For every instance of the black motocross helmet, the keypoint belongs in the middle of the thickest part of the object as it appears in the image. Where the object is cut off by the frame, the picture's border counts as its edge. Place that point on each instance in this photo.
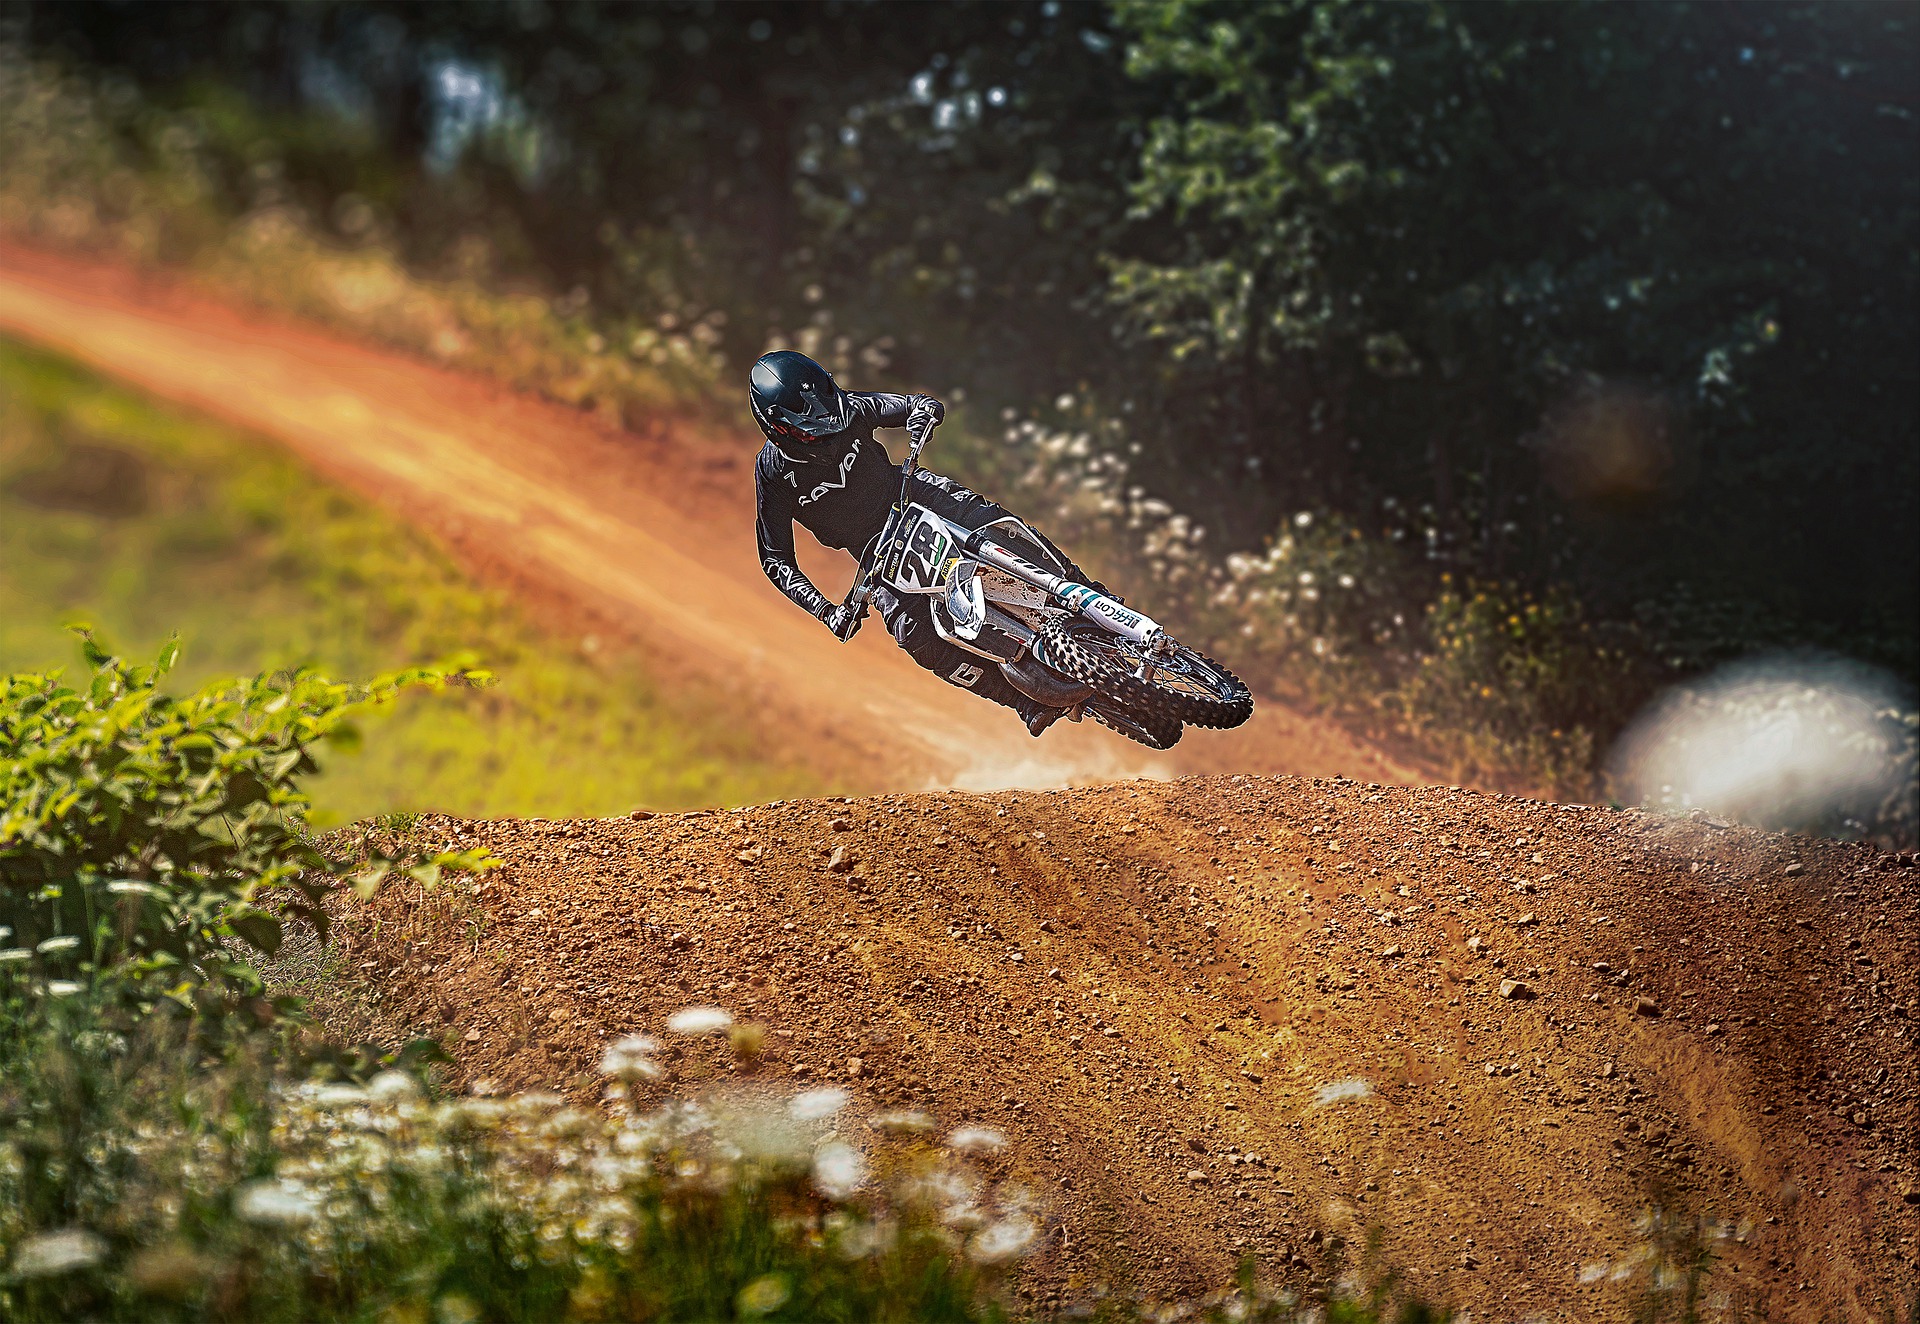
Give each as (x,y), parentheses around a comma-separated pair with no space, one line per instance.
(795,399)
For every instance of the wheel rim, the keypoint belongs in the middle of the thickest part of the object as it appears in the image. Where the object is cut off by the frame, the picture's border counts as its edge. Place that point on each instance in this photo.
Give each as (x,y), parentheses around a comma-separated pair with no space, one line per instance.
(1179,671)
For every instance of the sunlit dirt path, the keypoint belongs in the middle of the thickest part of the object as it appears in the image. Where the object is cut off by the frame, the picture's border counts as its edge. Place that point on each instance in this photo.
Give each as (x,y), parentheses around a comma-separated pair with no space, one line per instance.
(653,534)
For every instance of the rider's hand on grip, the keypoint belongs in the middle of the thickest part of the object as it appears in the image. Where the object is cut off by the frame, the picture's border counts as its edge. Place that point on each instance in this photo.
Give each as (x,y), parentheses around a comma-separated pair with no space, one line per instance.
(927,414)
(843,622)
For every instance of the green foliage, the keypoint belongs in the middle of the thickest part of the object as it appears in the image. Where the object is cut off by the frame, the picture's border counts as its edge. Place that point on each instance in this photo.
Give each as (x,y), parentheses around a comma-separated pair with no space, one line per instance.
(146,521)
(1436,223)
(141,834)
(1511,688)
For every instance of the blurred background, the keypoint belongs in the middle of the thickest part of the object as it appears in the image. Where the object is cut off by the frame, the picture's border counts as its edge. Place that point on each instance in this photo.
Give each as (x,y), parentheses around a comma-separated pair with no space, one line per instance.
(1491,377)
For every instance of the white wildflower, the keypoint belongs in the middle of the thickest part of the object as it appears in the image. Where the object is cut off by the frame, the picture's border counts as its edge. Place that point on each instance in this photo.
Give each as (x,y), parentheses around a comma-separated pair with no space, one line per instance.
(339,1096)
(62,988)
(479,1112)
(838,1169)
(857,1238)
(970,1138)
(15,956)
(393,1087)
(1002,1241)
(132,887)
(55,946)
(631,1059)
(816,1104)
(763,1295)
(699,1020)
(1342,1091)
(281,1202)
(904,1122)
(59,1252)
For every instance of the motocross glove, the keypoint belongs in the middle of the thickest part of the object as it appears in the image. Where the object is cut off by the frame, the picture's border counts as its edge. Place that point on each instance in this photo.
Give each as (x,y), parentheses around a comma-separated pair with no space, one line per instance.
(844,623)
(926,414)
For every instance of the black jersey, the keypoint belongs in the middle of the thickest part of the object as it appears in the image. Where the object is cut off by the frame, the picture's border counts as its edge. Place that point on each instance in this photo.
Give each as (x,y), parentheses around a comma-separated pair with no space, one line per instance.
(839,489)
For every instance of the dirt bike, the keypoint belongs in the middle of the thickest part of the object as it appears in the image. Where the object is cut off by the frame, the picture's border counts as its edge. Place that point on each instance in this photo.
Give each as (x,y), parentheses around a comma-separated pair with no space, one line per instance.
(999,592)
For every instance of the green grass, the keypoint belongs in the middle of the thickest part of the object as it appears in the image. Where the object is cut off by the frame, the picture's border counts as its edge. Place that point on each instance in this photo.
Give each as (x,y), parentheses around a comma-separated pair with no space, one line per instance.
(143,520)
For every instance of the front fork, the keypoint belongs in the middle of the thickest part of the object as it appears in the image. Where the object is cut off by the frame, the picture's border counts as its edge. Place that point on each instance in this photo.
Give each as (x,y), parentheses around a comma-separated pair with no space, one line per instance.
(1098,607)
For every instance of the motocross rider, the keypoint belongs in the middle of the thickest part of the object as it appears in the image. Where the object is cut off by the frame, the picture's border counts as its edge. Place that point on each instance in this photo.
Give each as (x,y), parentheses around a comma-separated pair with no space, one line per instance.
(822,467)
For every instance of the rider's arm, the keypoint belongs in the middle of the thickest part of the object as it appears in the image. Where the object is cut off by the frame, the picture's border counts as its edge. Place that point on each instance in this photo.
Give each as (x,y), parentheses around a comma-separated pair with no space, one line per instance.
(773,529)
(898,411)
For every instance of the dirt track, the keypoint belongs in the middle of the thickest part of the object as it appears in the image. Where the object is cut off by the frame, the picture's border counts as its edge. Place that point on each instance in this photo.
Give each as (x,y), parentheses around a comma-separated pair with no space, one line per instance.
(1147,985)
(653,535)
(1214,1016)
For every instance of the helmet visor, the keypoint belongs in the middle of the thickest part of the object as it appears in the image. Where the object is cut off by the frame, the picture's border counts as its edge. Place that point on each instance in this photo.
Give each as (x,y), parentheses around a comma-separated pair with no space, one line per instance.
(827,412)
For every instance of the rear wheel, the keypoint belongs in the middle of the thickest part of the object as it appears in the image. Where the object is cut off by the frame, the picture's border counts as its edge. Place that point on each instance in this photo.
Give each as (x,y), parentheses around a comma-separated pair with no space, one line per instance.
(1168,684)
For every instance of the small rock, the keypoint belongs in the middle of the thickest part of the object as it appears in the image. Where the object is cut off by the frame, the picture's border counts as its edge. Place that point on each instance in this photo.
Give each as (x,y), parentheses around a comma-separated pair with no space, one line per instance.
(473,1036)
(641,815)
(1110,1031)
(839,861)
(1606,1071)
(1196,1177)
(1197,1146)
(855,1067)
(841,825)
(1794,870)
(1391,953)
(1255,1077)
(750,855)
(1713,1028)
(1055,974)
(1476,944)
(1602,968)
(1514,990)
(1645,1006)
(1526,919)
(1016,957)
(918,986)
(1046,926)
(1467,1260)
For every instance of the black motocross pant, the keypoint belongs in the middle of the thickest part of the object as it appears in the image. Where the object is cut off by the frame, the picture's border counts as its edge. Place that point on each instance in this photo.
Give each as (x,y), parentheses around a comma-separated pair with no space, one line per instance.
(909,617)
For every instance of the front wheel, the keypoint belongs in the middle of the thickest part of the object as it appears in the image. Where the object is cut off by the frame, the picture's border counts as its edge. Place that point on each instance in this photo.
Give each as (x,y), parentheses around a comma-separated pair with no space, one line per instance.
(1171,683)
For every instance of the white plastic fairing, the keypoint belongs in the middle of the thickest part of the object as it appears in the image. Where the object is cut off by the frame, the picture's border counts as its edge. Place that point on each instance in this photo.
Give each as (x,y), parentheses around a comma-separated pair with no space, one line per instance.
(966,601)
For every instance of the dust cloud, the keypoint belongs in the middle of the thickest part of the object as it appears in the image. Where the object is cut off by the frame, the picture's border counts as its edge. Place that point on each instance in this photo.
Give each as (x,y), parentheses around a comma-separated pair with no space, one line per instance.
(1788,741)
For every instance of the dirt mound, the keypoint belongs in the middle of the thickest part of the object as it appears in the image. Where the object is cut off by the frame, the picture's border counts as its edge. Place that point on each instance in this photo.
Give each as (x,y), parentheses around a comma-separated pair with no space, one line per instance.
(1222,1016)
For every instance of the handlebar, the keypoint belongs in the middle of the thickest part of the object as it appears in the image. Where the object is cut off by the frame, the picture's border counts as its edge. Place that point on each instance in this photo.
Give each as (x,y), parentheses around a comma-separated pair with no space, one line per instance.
(854,608)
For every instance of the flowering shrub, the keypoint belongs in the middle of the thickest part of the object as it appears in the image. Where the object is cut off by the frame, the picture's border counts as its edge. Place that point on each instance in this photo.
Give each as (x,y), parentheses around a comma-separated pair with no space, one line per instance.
(1323,601)
(139,832)
(1517,689)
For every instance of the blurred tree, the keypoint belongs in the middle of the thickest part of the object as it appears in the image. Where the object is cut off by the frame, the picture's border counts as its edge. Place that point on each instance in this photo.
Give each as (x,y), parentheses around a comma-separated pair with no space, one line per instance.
(1388,239)
(1624,294)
